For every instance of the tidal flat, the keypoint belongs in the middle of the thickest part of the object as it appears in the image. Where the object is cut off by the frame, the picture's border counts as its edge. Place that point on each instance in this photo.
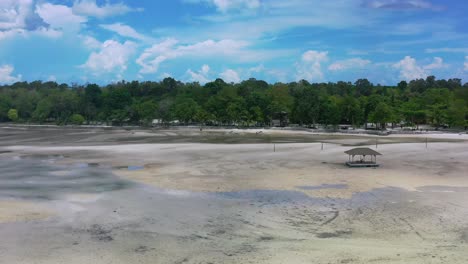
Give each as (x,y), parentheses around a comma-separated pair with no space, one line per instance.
(229,196)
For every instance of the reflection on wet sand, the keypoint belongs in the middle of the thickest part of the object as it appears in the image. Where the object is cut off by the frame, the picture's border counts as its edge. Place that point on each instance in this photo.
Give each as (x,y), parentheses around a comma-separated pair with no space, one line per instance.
(131,222)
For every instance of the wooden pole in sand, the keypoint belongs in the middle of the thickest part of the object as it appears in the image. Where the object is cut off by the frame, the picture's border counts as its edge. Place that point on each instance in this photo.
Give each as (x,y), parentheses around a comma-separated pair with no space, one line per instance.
(426,142)
(322,145)
(274,147)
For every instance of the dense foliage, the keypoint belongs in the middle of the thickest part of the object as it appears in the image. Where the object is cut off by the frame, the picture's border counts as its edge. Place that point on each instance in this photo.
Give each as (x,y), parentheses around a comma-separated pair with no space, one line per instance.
(251,102)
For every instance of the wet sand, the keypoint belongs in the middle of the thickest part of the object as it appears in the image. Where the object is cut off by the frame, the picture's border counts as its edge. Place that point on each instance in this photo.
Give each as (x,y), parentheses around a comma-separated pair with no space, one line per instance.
(123,197)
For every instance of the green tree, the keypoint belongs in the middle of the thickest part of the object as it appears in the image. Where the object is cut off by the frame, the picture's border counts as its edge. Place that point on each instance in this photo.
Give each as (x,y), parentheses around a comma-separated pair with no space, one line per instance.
(165,110)
(92,101)
(185,109)
(146,111)
(25,101)
(280,100)
(402,86)
(413,113)
(256,114)
(203,116)
(5,104)
(43,110)
(77,119)
(13,115)
(381,115)
(350,110)
(457,113)
(331,112)
(363,87)
(306,106)
(237,113)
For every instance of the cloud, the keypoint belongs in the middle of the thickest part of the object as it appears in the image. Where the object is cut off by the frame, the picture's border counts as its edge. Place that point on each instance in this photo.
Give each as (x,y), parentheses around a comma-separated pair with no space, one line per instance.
(410,70)
(466,64)
(124,30)
(170,49)
(11,33)
(256,69)
(18,14)
(348,64)
(400,4)
(6,76)
(437,64)
(200,76)
(90,8)
(227,5)
(60,17)
(230,76)
(447,50)
(152,57)
(17,18)
(111,58)
(262,24)
(310,66)
(90,42)
(52,78)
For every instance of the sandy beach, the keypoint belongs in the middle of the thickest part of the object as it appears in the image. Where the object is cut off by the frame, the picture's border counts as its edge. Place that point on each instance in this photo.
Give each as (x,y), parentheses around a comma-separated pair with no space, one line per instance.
(230,196)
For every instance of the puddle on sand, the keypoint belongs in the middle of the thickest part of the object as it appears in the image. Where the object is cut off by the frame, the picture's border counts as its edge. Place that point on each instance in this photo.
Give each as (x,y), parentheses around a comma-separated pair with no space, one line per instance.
(36,179)
(322,187)
(374,198)
(135,168)
(269,197)
(86,165)
(130,167)
(442,189)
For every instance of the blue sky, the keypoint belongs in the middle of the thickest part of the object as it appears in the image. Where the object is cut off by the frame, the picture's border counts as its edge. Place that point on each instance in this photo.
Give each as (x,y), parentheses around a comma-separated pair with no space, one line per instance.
(79,41)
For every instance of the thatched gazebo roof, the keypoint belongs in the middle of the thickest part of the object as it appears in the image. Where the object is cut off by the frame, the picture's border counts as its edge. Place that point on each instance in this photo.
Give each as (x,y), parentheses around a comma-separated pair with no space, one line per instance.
(362,152)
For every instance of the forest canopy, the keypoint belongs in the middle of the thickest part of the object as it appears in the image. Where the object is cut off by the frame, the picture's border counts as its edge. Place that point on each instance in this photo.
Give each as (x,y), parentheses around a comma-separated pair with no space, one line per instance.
(249,103)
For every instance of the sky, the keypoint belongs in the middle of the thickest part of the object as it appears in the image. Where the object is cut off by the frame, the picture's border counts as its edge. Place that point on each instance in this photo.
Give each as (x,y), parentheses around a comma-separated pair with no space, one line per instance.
(105,41)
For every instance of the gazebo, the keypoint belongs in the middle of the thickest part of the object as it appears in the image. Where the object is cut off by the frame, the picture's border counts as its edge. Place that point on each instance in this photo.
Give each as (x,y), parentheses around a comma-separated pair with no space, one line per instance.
(361,161)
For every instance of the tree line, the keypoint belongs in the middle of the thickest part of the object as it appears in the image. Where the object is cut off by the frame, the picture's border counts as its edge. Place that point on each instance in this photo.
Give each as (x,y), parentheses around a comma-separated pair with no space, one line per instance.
(249,103)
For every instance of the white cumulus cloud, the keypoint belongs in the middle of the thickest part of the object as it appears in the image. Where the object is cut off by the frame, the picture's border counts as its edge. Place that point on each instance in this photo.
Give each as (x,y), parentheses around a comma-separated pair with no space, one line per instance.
(230,76)
(200,76)
(348,64)
(6,74)
(400,4)
(169,49)
(17,18)
(60,17)
(227,5)
(90,42)
(90,8)
(437,64)
(124,30)
(310,66)
(410,69)
(13,13)
(466,64)
(112,57)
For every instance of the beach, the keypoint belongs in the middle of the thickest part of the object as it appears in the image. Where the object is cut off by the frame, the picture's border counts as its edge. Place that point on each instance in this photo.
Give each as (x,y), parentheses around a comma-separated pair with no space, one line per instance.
(230,196)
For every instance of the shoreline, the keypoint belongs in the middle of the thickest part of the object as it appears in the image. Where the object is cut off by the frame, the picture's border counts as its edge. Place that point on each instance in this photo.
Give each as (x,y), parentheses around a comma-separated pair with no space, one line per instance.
(357,131)
(84,136)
